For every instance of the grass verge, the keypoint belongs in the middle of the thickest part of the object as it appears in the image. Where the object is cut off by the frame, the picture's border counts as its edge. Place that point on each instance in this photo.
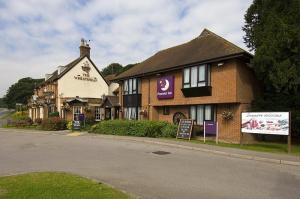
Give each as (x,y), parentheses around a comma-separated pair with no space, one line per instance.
(261,147)
(55,185)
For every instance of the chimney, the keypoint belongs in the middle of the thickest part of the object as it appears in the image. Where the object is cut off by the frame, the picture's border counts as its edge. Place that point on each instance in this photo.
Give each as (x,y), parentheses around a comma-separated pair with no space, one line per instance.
(84,48)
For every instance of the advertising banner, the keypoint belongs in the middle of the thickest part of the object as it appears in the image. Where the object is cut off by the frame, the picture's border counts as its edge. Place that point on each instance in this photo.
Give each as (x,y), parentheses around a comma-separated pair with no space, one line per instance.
(276,123)
(165,87)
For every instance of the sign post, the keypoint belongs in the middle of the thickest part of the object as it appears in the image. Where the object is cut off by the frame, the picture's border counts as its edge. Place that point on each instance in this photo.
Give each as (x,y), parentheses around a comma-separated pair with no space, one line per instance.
(185,128)
(290,135)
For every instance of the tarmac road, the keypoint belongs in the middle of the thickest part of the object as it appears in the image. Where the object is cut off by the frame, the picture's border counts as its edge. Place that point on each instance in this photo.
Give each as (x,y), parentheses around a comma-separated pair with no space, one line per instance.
(133,167)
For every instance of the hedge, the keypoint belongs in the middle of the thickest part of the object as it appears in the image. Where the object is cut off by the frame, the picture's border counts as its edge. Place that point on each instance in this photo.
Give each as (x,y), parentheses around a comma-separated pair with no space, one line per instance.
(140,128)
(54,124)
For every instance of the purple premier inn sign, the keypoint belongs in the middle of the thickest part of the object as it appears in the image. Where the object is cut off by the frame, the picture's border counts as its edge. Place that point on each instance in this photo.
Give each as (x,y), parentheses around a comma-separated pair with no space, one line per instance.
(165,87)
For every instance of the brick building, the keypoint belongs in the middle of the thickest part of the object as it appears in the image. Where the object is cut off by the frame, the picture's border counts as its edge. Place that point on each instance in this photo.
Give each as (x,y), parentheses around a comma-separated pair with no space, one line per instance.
(207,78)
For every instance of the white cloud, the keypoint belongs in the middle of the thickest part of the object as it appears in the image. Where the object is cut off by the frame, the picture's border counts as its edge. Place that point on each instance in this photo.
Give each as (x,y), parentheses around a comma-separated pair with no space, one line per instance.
(38,35)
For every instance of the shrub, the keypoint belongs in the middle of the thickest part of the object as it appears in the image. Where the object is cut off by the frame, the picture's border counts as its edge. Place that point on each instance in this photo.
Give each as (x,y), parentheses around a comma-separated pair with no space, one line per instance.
(20,115)
(54,114)
(90,120)
(54,124)
(70,125)
(169,131)
(38,121)
(22,122)
(141,128)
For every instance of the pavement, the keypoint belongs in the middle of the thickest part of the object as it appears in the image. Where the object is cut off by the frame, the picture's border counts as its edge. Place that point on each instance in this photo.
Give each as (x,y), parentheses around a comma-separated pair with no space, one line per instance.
(150,168)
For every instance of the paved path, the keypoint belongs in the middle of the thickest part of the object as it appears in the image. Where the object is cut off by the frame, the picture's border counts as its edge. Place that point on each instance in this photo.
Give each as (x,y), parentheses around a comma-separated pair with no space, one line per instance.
(131,166)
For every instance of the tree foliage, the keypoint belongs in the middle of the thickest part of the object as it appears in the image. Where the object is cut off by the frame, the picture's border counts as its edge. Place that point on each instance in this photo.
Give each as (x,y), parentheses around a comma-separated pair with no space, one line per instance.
(2,103)
(21,91)
(273,31)
(112,68)
(115,68)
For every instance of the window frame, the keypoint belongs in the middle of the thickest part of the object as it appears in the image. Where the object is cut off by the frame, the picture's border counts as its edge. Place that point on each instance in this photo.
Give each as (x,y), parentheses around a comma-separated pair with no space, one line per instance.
(212,112)
(80,112)
(132,86)
(97,113)
(206,81)
(166,110)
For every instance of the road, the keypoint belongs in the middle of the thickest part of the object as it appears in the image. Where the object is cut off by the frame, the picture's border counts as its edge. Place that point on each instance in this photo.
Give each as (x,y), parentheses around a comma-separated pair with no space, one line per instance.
(133,167)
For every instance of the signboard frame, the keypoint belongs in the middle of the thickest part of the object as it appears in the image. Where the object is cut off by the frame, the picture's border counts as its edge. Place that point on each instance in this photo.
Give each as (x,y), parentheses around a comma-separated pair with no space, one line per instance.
(289,137)
(191,129)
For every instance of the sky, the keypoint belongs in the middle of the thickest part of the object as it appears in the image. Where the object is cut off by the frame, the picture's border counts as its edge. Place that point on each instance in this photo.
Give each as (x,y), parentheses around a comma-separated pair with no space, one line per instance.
(36,36)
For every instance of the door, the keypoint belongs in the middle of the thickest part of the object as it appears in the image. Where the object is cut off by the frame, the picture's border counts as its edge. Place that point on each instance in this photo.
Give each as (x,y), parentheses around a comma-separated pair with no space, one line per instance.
(107,113)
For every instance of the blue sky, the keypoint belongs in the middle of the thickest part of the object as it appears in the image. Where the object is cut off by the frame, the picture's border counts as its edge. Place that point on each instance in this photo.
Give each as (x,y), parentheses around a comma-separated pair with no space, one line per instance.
(39,35)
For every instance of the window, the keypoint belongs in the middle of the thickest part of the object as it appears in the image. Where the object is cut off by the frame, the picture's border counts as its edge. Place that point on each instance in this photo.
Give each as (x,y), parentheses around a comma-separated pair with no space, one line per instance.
(166,110)
(196,76)
(97,113)
(125,87)
(131,113)
(76,111)
(199,113)
(132,86)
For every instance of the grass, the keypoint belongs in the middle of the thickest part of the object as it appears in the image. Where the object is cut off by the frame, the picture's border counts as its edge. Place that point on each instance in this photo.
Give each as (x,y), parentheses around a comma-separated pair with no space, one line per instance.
(54,185)
(261,147)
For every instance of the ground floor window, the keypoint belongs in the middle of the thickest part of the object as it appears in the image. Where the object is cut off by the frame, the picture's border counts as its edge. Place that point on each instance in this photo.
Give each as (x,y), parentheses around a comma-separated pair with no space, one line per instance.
(199,113)
(76,111)
(132,113)
(166,110)
(97,113)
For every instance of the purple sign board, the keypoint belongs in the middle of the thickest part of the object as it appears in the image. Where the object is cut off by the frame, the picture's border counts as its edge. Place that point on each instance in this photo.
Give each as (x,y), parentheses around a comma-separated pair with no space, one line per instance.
(165,87)
(210,127)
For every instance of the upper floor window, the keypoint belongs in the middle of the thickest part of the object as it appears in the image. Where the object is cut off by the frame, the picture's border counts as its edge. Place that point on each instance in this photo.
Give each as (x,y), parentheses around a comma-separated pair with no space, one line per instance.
(196,76)
(132,86)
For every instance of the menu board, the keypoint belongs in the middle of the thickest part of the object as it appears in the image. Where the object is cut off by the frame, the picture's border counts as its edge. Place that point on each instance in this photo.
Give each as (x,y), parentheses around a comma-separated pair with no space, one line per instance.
(76,125)
(185,128)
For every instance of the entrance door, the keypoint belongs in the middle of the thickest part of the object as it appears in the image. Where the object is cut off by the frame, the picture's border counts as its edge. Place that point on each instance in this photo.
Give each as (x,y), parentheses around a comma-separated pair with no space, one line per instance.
(107,113)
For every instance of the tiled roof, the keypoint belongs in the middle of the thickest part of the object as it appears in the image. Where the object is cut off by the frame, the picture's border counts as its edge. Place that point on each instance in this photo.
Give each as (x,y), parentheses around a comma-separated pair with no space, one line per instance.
(207,46)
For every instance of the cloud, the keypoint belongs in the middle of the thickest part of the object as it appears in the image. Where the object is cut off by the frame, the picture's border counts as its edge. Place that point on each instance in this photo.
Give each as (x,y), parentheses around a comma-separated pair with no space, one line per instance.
(38,35)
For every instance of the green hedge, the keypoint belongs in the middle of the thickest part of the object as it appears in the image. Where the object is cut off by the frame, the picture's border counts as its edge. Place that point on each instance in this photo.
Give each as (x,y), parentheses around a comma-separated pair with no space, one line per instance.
(141,128)
(54,124)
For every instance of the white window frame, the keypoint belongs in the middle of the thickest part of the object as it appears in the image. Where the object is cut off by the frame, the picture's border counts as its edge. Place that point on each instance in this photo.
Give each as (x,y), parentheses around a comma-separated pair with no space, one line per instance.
(97,113)
(76,113)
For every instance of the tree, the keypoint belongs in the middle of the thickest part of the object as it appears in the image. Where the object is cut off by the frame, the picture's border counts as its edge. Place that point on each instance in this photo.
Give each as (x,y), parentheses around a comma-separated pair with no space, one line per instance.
(21,91)
(273,31)
(2,103)
(112,68)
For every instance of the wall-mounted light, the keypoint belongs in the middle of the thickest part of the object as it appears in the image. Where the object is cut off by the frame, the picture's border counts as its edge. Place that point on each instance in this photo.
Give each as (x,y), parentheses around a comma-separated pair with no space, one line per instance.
(220,64)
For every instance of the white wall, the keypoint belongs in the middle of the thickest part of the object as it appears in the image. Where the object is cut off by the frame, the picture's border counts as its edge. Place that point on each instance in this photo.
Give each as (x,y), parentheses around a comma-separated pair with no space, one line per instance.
(69,87)
(112,87)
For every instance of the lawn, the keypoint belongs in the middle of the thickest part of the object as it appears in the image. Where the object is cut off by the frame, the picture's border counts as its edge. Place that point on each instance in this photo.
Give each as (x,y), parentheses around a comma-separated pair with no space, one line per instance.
(54,185)
(262,146)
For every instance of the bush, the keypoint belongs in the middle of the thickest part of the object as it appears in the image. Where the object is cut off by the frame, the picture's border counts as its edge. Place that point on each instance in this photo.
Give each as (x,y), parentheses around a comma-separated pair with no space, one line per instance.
(54,124)
(69,125)
(54,114)
(22,122)
(141,128)
(20,115)
(38,121)
(90,120)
